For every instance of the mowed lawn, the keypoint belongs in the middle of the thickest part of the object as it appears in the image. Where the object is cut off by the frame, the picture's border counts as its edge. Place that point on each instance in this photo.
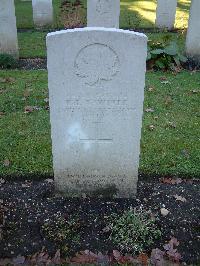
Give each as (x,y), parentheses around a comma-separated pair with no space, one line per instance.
(33,44)
(24,14)
(170,136)
(134,13)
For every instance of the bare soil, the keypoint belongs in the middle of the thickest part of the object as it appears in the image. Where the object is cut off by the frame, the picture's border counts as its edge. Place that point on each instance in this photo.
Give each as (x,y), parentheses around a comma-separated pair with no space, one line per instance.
(32,216)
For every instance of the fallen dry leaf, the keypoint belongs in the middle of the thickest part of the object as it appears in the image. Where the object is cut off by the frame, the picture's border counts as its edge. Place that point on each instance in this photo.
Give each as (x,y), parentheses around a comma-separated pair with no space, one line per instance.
(2,80)
(149,110)
(10,80)
(143,259)
(26,185)
(6,163)
(18,260)
(171,251)
(157,257)
(2,114)
(171,181)
(163,78)
(165,82)
(49,180)
(164,212)
(151,127)
(180,198)
(46,100)
(168,100)
(84,257)
(6,261)
(171,124)
(57,258)
(195,91)
(30,109)
(106,229)
(26,93)
(150,89)
(174,241)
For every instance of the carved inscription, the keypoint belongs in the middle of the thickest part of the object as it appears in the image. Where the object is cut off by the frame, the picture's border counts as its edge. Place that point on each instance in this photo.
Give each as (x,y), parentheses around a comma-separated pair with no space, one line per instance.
(96,62)
(95,126)
(103,7)
(98,103)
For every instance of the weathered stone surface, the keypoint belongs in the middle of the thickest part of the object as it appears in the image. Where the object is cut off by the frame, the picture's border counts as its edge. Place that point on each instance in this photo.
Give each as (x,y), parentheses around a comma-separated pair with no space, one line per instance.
(193,33)
(42,12)
(96,87)
(166,13)
(8,29)
(103,13)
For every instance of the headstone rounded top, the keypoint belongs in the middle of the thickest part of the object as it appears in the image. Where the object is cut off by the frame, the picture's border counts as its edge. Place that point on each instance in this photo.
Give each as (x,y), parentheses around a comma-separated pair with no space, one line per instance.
(99,29)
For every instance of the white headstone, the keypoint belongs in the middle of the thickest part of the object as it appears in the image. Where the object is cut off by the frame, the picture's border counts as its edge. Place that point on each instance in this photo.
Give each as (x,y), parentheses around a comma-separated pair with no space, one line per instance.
(103,13)
(166,13)
(193,33)
(96,82)
(42,12)
(8,29)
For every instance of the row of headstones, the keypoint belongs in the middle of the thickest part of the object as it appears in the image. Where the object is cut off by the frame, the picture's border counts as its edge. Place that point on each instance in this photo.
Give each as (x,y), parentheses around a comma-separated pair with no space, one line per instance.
(100,12)
(42,15)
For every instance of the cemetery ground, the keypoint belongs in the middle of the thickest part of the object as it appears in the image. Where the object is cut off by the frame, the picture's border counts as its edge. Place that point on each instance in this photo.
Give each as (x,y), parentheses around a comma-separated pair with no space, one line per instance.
(169,147)
(32,216)
(134,14)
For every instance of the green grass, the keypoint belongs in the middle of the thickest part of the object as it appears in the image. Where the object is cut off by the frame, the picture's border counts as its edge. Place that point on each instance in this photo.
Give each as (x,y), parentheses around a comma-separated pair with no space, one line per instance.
(24,14)
(171,148)
(33,44)
(142,14)
(25,138)
(134,13)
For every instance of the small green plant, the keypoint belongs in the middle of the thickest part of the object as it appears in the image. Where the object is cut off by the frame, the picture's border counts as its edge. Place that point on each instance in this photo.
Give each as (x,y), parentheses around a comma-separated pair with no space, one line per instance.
(133,231)
(63,231)
(7,61)
(163,55)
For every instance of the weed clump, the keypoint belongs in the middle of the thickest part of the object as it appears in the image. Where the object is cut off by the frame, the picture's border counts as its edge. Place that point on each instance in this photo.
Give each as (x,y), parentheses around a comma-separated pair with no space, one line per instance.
(134,231)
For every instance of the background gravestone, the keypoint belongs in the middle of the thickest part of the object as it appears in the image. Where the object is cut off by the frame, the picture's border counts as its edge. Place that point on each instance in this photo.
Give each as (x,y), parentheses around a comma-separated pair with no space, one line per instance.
(8,29)
(103,13)
(96,83)
(193,33)
(166,13)
(42,12)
